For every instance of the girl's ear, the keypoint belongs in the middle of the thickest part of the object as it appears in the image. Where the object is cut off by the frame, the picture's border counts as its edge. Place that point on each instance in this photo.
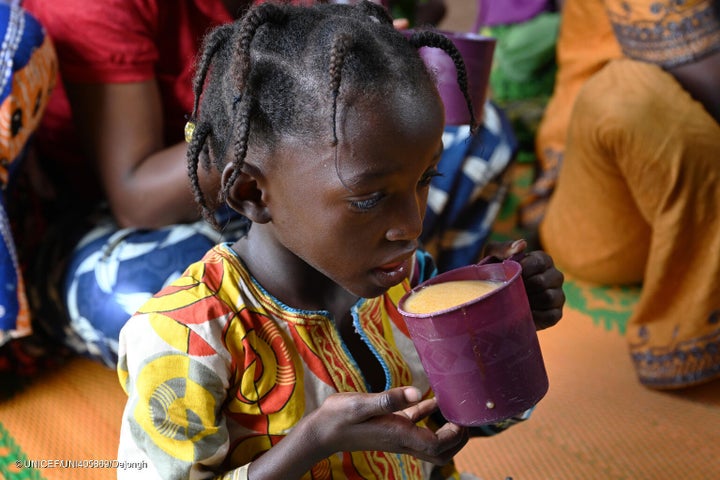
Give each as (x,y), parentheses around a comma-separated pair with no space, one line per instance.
(245,196)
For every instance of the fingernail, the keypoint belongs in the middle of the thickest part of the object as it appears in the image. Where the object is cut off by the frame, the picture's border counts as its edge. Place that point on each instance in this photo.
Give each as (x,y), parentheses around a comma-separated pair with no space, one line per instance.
(412,394)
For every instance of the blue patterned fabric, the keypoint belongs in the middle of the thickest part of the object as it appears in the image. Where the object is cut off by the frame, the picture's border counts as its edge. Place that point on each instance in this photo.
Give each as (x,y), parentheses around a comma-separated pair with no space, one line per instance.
(114,271)
(27,75)
(9,279)
(464,202)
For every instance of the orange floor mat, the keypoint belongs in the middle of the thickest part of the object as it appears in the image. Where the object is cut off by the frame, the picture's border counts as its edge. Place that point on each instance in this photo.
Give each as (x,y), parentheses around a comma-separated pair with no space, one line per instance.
(595,423)
(71,415)
(598,423)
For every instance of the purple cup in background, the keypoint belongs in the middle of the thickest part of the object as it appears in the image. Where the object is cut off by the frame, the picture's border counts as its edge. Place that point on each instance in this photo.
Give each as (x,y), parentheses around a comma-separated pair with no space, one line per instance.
(477,53)
(504,12)
(482,357)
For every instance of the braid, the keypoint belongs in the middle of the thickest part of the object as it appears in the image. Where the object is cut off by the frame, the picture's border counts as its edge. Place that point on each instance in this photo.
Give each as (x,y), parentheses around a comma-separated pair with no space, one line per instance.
(339,49)
(428,38)
(213,42)
(241,142)
(194,150)
(266,12)
(242,104)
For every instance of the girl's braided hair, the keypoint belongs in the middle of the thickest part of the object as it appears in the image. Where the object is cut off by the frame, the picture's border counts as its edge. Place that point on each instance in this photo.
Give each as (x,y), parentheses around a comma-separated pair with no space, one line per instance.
(280,71)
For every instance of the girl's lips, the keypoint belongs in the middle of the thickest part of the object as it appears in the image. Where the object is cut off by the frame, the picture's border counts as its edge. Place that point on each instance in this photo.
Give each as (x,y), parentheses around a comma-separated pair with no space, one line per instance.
(391,274)
(390,266)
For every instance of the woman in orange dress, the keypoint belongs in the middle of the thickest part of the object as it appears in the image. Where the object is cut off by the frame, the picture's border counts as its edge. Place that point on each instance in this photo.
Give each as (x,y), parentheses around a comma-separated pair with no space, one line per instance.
(637,197)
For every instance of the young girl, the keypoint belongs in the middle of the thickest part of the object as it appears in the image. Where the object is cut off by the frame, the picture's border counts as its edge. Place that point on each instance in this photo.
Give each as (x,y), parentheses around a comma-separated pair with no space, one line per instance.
(283,355)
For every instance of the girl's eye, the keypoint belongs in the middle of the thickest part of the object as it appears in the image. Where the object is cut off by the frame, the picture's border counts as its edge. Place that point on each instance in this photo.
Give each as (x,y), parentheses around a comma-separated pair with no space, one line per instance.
(428,176)
(367,203)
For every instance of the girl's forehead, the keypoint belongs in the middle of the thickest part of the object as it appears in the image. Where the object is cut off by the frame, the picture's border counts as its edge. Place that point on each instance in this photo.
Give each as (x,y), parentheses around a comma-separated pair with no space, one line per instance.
(377,136)
(388,141)
(405,111)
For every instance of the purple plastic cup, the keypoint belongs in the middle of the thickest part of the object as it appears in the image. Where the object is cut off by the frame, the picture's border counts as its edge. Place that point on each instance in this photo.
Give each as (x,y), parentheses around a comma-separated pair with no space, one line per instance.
(503,12)
(477,53)
(482,358)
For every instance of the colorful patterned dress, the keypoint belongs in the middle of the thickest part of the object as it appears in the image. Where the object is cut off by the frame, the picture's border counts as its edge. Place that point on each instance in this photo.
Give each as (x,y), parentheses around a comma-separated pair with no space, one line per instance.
(217,371)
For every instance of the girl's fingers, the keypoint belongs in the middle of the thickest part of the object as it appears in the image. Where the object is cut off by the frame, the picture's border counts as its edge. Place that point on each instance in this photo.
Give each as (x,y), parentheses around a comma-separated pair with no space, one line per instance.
(390,401)
(420,410)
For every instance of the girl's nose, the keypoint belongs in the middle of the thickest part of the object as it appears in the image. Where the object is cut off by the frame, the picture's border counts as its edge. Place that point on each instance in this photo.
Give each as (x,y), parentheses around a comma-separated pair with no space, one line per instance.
(408,222)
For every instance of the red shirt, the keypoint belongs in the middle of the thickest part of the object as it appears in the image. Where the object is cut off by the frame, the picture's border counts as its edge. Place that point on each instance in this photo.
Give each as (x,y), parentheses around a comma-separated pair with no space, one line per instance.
(118,41)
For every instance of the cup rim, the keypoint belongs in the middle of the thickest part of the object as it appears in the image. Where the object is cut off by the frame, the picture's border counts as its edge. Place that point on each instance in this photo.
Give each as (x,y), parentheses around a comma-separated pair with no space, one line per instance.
(439,279)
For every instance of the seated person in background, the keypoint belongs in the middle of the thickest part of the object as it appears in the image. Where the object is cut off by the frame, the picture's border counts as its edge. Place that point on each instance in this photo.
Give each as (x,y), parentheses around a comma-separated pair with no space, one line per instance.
(524,67)
(638,196)
(125,223)
(283,355)
(124,219)
(29,69)
(586,42)
(465,199)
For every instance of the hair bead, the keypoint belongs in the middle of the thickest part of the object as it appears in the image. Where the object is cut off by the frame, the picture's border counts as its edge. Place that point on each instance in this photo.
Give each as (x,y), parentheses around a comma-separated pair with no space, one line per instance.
(189,130)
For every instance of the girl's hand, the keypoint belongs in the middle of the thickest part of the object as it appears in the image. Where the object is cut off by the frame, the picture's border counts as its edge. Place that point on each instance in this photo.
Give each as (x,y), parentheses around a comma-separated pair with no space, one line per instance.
(543,282)
(347,422)
(385,421)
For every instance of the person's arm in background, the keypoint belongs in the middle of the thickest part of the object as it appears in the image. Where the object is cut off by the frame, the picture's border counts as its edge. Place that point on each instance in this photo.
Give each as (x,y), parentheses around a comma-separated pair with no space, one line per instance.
(145,182)
(701,79)
(111,53)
